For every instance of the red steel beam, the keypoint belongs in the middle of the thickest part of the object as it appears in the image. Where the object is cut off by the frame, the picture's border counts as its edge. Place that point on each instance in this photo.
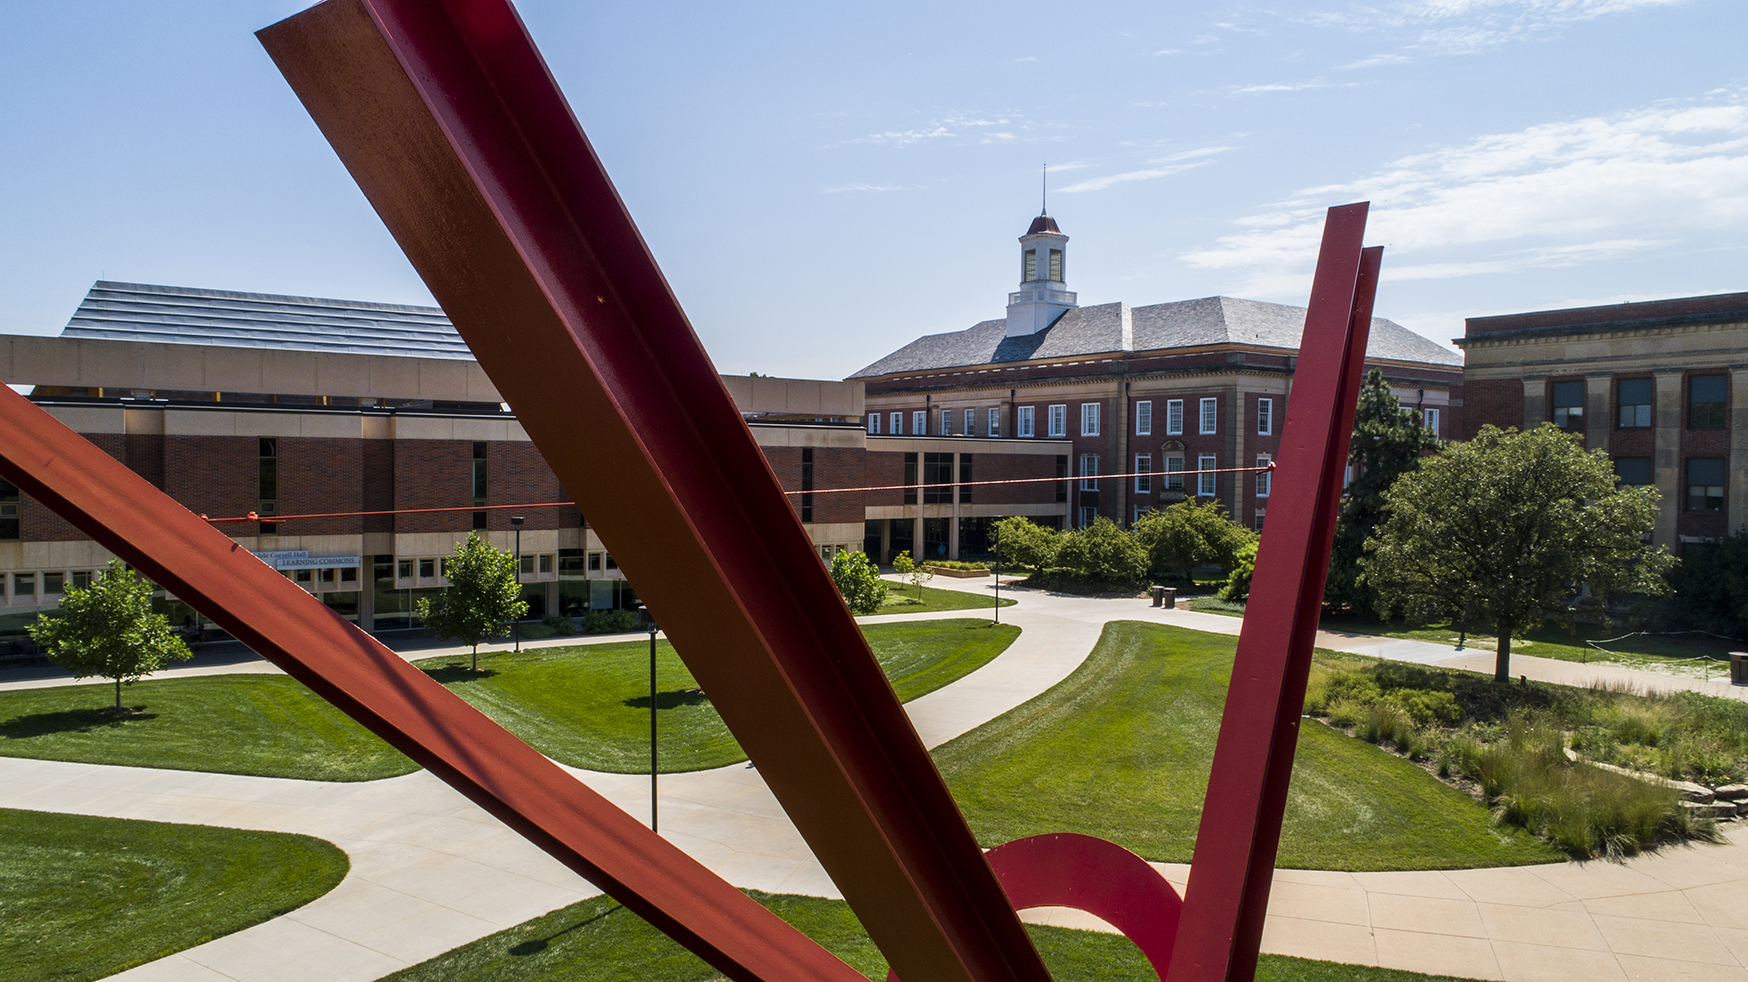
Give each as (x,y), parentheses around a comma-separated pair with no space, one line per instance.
(1226,898)
(295,631)
(450,122)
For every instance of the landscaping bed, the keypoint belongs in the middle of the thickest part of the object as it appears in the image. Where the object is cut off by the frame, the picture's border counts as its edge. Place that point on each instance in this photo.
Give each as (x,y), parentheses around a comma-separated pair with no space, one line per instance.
(1121,749)
(87,897)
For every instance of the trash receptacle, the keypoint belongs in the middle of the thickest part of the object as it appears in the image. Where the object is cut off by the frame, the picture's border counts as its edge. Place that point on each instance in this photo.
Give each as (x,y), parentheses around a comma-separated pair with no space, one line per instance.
(1170,597)
(1739,668)
(1159,596)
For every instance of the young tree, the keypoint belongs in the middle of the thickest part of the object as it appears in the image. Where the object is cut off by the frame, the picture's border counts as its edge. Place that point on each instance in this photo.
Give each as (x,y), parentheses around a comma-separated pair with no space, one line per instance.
(482,599)
(1388,442)
(1103,555)
(108,630)
(910,569)
(1189,534)
(860,583)
(1513,527)
(1023,542)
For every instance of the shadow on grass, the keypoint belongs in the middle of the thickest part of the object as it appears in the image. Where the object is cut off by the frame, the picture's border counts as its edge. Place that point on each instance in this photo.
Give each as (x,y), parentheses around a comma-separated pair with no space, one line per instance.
(672,699)
(458,673)
(70,721)
(535,946)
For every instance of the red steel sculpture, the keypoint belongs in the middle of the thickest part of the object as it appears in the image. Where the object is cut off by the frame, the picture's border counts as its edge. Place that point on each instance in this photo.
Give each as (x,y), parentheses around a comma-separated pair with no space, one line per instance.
(447,117)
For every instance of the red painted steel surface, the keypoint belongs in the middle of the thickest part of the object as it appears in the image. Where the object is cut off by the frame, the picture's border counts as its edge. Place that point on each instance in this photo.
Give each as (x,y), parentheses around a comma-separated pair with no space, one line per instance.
(448,119)
(1227,895)
(399,703)
(1099,877)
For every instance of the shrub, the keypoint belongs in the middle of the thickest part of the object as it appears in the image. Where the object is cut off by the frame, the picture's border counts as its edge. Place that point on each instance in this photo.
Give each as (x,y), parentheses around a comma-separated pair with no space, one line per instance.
(1023,542)
(1187,535)
(1103,555)
(1237,585)
(609,622)
(860,583)
(559,623)
(957,564)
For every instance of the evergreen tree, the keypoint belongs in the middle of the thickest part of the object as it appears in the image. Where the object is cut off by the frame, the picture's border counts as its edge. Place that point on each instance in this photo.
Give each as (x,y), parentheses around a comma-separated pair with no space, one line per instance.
(108,630)
(1388,442)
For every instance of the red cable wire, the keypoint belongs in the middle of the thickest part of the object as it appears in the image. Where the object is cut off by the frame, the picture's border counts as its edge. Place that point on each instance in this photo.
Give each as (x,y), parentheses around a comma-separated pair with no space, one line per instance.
(253,517)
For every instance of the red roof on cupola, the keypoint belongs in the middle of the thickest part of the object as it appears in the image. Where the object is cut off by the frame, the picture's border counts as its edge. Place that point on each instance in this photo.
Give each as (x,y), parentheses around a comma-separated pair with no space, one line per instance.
(1043,223)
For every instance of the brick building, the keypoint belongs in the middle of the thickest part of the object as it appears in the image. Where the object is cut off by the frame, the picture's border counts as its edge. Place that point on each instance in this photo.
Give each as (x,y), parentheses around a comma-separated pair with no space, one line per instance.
(1186,386)
(238,403)
(1653,384)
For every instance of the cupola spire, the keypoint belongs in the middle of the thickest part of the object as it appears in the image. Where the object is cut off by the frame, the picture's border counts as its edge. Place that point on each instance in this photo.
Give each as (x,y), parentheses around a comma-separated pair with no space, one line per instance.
(1042,296)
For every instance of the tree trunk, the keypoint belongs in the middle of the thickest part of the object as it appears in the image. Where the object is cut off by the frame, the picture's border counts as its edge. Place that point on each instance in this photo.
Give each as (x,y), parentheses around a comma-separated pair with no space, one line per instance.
(118,695)
(476,657)
(1502,664)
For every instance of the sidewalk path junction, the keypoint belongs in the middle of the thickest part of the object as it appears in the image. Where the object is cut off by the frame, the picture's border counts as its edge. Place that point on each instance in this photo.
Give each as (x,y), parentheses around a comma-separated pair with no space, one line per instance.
(430,871)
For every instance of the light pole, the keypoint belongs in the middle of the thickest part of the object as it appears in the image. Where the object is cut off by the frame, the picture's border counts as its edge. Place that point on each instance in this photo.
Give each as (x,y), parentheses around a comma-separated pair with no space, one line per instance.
(649,621)
(995,533)
(516,626)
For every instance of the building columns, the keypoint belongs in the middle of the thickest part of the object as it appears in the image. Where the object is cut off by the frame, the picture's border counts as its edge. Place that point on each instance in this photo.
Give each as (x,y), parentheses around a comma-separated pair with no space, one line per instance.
(1597,418)
(1666,458)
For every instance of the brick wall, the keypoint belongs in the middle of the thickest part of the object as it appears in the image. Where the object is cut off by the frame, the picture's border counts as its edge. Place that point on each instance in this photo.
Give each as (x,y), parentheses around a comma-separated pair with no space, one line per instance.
(36,523)
(1495,401)
(517,474)
(434,474)
(377,461)
(214,475)
(320,475)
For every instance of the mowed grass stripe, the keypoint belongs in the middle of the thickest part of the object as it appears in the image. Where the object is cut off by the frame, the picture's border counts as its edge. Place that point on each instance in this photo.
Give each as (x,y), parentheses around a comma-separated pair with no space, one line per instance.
(1122,748)
(588,705)
(85,897)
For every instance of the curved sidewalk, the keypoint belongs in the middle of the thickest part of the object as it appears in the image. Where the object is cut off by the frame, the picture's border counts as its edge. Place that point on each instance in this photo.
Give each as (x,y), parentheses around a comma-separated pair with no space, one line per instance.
(430,871)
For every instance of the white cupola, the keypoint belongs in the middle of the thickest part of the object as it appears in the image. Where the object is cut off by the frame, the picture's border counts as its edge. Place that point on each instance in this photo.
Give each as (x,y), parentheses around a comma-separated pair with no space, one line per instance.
(1041,298)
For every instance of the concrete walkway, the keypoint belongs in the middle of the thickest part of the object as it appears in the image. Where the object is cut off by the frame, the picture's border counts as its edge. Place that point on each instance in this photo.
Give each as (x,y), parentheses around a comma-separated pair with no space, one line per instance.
(430,871)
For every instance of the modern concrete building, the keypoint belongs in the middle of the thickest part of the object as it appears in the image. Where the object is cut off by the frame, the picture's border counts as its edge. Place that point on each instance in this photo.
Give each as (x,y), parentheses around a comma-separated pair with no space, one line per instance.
(237,404)
(1654,384)
(1192,385)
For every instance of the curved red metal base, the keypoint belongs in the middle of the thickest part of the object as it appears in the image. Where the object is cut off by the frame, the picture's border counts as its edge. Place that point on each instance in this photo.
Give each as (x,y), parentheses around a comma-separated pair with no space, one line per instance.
(1091,874)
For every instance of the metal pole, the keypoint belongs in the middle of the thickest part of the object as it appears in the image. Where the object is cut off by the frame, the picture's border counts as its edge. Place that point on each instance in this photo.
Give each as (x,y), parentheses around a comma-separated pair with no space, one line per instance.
(997,535)
(516,625)
(652,727)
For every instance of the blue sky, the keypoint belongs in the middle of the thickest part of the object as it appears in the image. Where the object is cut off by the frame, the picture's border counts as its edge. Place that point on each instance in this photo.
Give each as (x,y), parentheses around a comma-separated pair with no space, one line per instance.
(824,185)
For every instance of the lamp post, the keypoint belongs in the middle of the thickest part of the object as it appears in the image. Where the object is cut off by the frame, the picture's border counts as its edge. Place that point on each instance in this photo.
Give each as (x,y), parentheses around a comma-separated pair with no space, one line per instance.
(516,626)
(995,532)
(649,622)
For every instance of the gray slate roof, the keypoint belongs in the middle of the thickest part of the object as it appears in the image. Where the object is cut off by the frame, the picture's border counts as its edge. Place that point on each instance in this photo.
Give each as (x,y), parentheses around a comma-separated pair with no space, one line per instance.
(1184,324)
(182,315)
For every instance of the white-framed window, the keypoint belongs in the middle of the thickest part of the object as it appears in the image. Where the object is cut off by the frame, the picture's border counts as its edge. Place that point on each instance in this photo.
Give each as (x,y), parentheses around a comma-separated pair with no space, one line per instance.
(1143,468)
(1089,472)
(1265,417)
(1259,516)
(897,423)
(1174,417)
(1058,420)
(994,422)
(873,424)
(1089,419)
(946,422)
(1174,465)
(1429,419)
(1088,515)
(919,423)
(970,422)
(1144,418)
(1205,483)
(1210,416)
(1264,479)
(1028,418)
(1140,513)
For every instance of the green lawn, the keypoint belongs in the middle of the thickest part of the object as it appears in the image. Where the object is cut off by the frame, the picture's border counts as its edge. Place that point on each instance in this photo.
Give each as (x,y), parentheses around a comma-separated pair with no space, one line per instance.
(599,941)
(588,705)
(86,897)
(901,598)
(268,725)
(1121,749)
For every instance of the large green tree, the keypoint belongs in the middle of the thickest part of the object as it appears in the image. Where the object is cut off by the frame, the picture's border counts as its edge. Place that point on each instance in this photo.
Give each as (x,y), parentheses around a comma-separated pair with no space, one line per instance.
(1388,442)
(1514,528)
(1023,542)
(482,599)
(1103,555)
(1190,534)
(108,630)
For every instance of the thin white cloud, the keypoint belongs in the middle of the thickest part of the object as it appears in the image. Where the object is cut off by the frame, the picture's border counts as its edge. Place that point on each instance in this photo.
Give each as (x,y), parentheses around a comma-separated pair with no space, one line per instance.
(848,188)
(944,128)
(1558,194)
(1315,83)
(1168,51)
(1465,26)
(1175,163)
(1374,61)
